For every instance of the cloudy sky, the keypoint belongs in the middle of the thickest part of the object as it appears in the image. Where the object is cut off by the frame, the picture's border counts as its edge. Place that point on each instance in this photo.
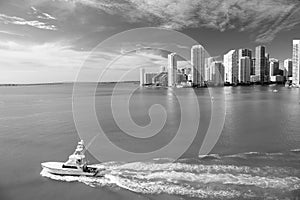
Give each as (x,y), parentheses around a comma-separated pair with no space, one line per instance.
(49,40)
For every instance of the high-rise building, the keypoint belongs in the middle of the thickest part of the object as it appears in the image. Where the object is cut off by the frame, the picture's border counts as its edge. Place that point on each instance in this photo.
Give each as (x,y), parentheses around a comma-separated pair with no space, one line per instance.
(231,68)
(159,79)
(244,69)
(172,69)
(208,64)
(198,56)
(217,73)
(148,78)
(296,62)
(252,71)
(267,71)
(288,67)
(241,54)
(274,67)
(245,52)
(260,64)
(142,80)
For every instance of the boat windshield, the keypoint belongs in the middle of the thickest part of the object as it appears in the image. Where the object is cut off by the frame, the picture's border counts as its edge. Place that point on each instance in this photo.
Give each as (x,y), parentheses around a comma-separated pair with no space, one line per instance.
(69,167)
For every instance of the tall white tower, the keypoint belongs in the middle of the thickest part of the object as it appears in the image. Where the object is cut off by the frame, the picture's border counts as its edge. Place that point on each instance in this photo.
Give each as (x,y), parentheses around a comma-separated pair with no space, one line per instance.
(198,56)
(142,74)
(172,69)
(296,62)
(229,61)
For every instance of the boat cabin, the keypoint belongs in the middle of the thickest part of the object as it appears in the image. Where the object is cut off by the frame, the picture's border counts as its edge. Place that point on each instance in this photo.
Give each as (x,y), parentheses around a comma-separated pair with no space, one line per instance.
(77,159)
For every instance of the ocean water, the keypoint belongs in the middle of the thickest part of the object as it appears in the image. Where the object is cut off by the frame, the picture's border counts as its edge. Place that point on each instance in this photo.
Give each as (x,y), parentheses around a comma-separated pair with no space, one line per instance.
(256,157)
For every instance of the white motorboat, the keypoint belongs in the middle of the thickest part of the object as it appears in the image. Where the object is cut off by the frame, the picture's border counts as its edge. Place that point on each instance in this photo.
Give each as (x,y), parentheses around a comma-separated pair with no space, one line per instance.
(76,165)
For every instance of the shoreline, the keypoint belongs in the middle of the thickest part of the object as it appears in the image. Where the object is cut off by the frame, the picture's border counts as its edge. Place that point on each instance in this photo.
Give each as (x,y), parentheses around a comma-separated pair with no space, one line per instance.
(60,83)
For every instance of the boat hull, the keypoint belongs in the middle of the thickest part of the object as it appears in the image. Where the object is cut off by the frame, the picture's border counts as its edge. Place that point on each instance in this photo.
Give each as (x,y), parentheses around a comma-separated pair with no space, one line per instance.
(57,169)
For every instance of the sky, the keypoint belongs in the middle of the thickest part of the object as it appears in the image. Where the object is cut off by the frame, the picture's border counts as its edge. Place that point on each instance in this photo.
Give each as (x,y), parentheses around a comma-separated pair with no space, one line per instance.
(50,40)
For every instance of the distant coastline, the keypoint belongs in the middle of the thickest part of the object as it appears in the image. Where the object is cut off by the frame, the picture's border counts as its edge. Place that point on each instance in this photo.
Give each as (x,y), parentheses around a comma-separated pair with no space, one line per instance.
(61,83)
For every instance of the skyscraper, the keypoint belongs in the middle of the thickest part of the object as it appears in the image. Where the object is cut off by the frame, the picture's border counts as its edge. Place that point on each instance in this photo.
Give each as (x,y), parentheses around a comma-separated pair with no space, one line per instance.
(172,69)
(267,69)
(230,67)
(244,69)
(260,64)
(274,67)
(208,64)
(245,52)
(148,78)
(242,53)
(252,71)
(296,62)
(288,66)
(198,56)
(217,73)
(142,72)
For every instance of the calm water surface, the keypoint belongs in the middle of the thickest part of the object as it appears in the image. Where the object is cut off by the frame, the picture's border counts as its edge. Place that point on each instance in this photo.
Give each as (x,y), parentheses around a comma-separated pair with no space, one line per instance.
(256,157)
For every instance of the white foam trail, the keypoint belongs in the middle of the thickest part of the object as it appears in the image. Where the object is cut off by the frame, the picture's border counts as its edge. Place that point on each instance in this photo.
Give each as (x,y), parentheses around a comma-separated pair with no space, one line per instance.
(201,181)
(274,154)
(197,168)
(252,153)
(210,156)
(295,150)
(288,183)
(159,187)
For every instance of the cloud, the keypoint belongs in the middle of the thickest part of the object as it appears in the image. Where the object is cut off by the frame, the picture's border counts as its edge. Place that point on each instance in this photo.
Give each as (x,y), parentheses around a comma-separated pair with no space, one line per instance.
(20,21)
(47,55)
(41,15)
(11,33)
(58,61)
(268,17)
(34,63)
(46,16)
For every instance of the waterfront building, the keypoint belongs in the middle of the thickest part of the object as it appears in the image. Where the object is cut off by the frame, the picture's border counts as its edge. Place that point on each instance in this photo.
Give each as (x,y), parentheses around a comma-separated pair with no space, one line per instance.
(242,54)
(230,67)
(148,78)
(208,65)
(288,66)
(172,69)
(142,80)
(274,67)
(277,79)
(254,79)
(267,72)
(252,71)
(198,56)
(159,79)
(260,64)
(244,69)
(217,73)
(296,62)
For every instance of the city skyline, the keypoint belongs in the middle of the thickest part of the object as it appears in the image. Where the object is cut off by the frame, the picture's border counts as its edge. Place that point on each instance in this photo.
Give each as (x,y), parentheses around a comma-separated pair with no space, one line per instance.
(238,67)
(47,41)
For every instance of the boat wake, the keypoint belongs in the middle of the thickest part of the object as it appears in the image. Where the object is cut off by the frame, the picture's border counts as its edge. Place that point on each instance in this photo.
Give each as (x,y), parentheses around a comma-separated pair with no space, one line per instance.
(217,177)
